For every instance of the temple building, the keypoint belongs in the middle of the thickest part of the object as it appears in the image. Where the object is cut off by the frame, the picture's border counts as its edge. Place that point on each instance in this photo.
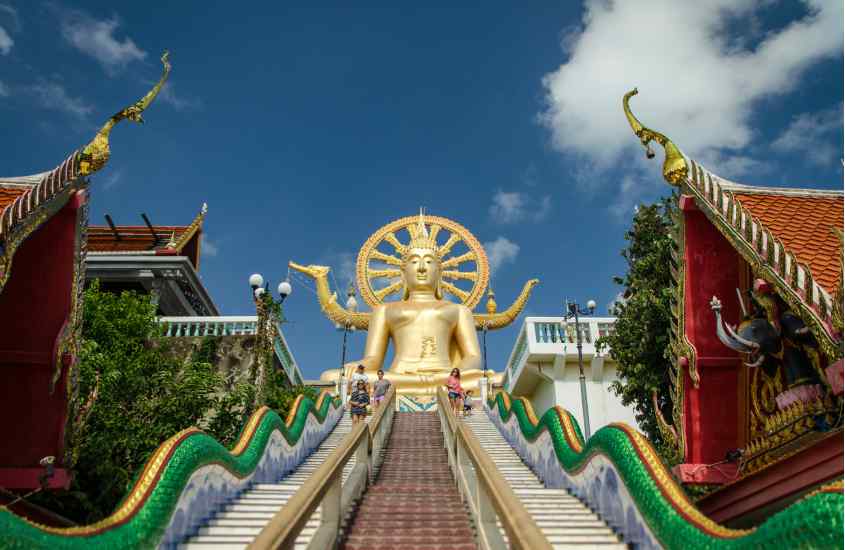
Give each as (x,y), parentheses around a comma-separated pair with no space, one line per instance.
(152,259)
(543,367)
(48,252)
(756,395)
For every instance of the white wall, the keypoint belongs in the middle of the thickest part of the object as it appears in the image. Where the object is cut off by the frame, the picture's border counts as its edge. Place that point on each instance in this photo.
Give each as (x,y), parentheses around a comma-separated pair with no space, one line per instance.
(603,405)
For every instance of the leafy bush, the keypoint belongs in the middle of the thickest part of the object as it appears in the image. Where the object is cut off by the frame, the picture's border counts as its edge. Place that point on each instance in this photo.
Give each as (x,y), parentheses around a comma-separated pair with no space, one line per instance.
(145,395)
(641,337)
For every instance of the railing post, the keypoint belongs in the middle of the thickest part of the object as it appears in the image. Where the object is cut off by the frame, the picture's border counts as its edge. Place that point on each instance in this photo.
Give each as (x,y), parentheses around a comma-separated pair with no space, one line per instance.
(486,517)
(330,511)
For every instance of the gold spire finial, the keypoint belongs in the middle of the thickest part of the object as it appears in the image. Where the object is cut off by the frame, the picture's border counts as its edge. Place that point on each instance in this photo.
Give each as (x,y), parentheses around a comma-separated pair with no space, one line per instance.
(675,166)
(491,301)
(420,237)
(95,155)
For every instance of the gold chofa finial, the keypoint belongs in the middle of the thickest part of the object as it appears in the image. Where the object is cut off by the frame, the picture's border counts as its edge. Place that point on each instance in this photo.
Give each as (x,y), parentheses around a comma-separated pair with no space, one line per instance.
(96,154)
(420,237)
(675,166)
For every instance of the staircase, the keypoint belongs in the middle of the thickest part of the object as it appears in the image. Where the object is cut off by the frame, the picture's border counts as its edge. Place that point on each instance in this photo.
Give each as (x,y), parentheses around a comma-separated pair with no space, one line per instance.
(414,503)
(565,520)
(241,520)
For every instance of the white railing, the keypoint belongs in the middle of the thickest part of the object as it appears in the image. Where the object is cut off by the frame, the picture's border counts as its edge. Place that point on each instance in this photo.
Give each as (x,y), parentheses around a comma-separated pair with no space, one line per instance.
(230,325)
(543,338)
(489,497)
(327,489)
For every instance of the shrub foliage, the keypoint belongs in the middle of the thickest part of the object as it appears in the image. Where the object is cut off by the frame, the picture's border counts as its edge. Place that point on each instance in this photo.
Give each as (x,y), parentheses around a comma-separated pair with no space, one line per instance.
(640,342)
(145,395)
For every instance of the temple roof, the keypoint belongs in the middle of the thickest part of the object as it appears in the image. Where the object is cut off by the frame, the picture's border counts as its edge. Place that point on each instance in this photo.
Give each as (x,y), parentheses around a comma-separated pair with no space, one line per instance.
(9,193)
(791,236)
(803,220)
(139,239)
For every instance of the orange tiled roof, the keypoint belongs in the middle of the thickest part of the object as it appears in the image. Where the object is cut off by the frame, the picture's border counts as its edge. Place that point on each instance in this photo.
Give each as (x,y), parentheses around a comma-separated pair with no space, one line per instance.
(803,223)
(132,238)
(8,194)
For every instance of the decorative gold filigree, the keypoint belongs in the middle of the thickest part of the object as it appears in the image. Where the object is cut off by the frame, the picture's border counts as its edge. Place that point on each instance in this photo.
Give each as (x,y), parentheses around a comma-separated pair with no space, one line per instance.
(422,231)
(675,168)
(96,154)
(360,320)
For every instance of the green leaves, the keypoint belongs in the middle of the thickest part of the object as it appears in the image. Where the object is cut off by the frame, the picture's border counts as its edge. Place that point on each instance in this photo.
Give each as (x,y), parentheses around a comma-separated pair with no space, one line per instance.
(146,394)
(644,322)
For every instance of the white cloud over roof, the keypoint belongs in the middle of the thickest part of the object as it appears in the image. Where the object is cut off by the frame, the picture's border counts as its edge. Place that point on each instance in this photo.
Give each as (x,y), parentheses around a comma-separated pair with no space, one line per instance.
(697,83)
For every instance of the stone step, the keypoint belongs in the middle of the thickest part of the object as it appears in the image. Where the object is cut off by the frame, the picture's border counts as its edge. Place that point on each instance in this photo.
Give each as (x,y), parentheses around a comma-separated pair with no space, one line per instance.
(563,518)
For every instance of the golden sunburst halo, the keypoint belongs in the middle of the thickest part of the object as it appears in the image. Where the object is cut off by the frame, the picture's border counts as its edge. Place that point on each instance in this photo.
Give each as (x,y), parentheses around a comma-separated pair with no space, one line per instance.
(465,271)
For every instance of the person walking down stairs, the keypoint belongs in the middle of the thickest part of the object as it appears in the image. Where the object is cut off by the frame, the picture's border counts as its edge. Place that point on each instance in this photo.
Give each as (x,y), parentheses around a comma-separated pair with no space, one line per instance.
(414,503)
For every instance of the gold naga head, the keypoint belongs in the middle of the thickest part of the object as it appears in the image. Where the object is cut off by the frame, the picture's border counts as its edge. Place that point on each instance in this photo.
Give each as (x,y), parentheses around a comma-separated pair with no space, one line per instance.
(96,154)
(421,262)
(675,170)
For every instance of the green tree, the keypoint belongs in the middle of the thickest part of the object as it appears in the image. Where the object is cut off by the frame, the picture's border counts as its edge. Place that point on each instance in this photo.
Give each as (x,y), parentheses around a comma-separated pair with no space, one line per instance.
(145,395)
(641,338)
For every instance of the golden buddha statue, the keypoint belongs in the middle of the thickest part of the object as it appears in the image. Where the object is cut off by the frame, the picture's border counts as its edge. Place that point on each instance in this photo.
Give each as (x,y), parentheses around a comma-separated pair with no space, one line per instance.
(431,335)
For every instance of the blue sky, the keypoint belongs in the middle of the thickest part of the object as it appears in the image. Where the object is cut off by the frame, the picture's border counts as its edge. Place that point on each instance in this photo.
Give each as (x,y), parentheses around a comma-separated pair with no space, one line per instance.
(305,130)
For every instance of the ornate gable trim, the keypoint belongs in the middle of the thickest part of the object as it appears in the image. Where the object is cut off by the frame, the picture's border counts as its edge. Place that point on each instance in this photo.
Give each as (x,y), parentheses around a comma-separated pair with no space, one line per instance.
(766,254)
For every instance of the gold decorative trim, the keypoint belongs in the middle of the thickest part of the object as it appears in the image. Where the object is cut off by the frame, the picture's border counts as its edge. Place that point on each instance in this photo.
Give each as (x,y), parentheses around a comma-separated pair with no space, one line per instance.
(152,471)
(674,166)
(191,230)
(96,154)
(458,233)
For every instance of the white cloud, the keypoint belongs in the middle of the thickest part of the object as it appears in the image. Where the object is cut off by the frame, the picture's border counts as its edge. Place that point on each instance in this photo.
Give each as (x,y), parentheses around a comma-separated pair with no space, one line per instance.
(515,207)
(697,84)
(177,101)
(112,179)
(4,90)
(208,247)
(52,95)
(814,135)
(12,14)
(500,252)
(6,42)
(95,37)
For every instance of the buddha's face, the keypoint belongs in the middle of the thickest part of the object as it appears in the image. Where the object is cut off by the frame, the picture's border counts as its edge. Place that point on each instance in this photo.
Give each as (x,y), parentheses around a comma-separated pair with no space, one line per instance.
(421,270)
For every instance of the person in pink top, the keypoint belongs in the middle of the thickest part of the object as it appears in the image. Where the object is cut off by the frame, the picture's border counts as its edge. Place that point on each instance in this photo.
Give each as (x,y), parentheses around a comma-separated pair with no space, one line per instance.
(453,385)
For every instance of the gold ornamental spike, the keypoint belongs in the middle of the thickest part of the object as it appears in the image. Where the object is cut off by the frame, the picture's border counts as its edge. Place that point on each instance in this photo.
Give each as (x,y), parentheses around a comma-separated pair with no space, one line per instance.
(389,289)
(376,273)
(386,258)
(391,238)
(457,260)
(454,239)
(462,295)
(96,154)
(460,275)
(432,232)
(674,166)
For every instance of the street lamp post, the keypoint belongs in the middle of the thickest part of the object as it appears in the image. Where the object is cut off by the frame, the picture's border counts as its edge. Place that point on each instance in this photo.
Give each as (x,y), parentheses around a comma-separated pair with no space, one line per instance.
(573,310)
(263,300)
(351,306)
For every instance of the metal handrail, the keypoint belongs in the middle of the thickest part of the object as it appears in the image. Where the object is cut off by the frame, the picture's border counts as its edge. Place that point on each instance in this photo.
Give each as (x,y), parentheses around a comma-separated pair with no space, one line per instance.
(485,489)
(325,487)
